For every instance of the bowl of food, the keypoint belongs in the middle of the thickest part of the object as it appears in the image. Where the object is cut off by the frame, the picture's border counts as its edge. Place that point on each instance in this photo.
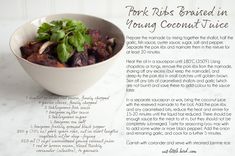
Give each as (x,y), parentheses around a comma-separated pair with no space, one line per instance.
(67,53)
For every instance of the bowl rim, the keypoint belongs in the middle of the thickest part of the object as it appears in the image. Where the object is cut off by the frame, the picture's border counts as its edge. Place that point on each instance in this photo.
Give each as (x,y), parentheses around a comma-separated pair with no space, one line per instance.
(64,68)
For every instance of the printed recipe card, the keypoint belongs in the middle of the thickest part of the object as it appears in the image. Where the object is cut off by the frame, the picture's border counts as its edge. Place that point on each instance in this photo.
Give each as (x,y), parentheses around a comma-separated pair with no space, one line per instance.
(117,77)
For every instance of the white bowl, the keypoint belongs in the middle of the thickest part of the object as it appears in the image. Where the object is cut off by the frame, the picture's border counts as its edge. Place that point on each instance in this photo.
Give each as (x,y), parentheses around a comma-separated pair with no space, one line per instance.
(66,81)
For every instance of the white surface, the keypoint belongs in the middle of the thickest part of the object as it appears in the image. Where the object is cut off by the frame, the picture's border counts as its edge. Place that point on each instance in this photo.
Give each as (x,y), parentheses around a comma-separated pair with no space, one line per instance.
(15,84)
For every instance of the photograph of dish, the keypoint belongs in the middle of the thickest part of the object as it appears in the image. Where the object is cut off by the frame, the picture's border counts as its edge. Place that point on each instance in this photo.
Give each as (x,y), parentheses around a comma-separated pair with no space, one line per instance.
(67,53)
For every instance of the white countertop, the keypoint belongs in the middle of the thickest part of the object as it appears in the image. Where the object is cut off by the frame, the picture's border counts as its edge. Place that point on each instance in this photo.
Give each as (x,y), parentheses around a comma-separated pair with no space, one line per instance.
(16,112)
